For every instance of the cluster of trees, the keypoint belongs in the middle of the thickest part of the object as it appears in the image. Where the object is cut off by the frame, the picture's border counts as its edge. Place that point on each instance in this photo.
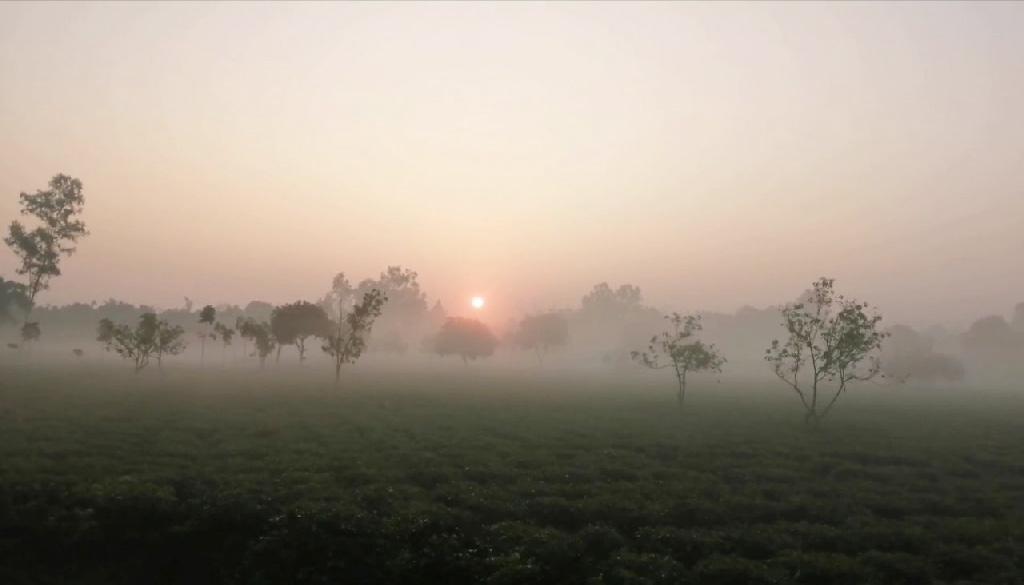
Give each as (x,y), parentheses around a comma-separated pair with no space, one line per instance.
(344,338)
(828,341)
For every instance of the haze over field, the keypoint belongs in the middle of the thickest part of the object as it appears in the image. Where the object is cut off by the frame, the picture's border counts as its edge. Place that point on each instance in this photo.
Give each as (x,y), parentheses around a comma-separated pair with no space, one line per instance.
(714,155)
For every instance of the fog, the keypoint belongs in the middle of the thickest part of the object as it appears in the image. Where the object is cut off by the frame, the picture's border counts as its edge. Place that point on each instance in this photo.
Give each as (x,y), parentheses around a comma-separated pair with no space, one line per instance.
(715,156)
(511,293)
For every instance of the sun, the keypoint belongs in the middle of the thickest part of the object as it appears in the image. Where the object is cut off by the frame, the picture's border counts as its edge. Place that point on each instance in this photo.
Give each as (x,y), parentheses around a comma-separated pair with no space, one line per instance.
(477,302)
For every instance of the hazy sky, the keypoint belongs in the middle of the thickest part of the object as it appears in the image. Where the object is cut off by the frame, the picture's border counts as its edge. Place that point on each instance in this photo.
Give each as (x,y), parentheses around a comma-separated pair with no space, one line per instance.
(714,155)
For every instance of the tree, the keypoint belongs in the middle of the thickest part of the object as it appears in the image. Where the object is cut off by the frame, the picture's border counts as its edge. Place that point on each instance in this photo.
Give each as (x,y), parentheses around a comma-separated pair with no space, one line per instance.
(833,340)
(207,316)
(348,340)
(246,327)
(467,338)
(406,314)
(105,332)
(30,333)
(911,355)
(263,340)
(678,350)
(542,332)
(39,250)
(14,301)
(339,297)
(136,344)
(992,334)
(170,340)
(225,333)
(294,323)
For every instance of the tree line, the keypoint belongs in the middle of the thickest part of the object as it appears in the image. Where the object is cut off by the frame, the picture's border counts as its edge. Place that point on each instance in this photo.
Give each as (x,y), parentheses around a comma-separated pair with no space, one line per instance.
(828,342)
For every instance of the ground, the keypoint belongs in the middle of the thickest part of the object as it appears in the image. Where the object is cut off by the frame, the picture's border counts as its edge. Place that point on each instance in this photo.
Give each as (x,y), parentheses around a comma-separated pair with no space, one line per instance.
(472,476)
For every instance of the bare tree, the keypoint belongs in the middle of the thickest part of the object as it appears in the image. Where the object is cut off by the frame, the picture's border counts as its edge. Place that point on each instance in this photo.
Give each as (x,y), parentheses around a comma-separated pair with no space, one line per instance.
(348,340)
(678,349)
(833,341)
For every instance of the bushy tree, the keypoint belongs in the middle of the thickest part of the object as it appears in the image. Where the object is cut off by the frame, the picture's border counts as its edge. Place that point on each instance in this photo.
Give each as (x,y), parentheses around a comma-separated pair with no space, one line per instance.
(406,314)
(150,338)
(170,340)
(833,342)
(224,333)
(246,327)
(14,301)
(540,333)
(263,340)
(348,340)
(294,323)
(57,211)
(909,355)
(30,333)
(105,332)
(679,349)
(467,338)
(992,334)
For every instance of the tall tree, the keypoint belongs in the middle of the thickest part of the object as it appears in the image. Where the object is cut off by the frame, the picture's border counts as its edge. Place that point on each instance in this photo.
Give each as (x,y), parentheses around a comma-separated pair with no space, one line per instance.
(294,323)
(263,340)
(678,349)
(207,316)
(348,340)
(224,333)
(57,211)
(833,342)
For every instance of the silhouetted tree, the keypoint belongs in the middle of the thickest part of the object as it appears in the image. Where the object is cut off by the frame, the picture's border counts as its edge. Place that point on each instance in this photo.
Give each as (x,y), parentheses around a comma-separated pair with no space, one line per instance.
(339,297)
(294,323)
(40,249)
(406,314)
(14,301)
(170,340)
(246,327)
(137,344)
(910,355)
(105,332)
(263,341)
(467,338)
(224,333)
(830,339)
(992,334)
(677,349)
(207,316)
(348,340)
(542,332)
(30,333)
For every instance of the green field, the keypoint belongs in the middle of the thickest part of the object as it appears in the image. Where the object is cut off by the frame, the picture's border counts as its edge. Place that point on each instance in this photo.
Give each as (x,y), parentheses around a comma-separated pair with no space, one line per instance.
(477,477)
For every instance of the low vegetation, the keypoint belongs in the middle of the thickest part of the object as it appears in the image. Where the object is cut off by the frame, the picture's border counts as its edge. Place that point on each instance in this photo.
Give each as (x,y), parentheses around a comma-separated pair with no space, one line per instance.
(193,478)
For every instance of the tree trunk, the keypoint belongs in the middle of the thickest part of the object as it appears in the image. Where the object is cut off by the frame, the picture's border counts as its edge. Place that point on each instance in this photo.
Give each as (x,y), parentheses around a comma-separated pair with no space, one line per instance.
(681,396)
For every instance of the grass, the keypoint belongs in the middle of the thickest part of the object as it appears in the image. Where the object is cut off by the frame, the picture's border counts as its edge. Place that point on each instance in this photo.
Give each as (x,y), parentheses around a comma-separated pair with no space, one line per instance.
(477,477)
